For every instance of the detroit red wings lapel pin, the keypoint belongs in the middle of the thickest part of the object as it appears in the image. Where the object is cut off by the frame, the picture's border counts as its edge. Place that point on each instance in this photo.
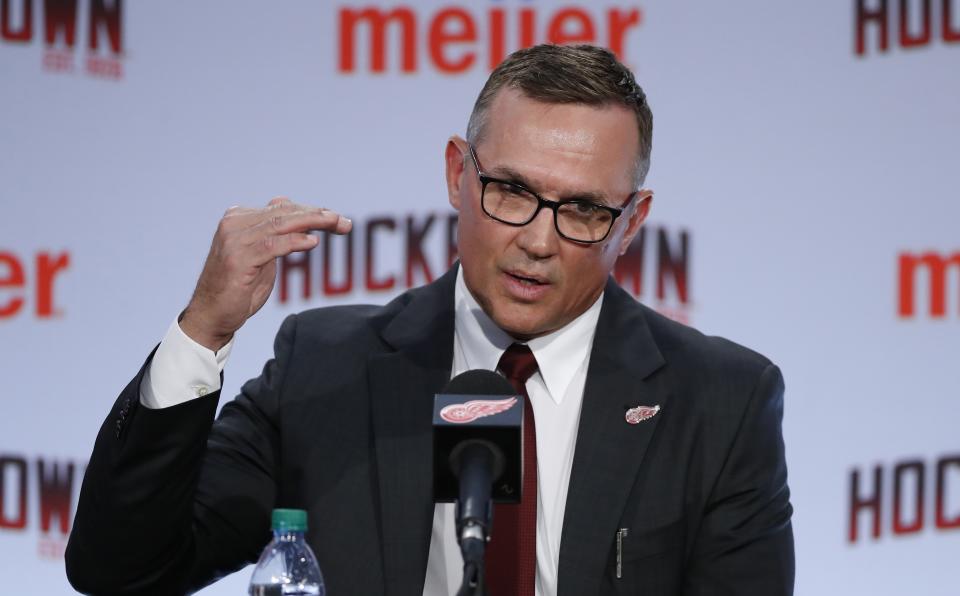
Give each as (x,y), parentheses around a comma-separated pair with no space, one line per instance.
(640,413)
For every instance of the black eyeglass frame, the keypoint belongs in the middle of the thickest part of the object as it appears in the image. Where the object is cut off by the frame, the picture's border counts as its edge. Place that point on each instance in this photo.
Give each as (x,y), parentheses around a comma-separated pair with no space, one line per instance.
(554,206)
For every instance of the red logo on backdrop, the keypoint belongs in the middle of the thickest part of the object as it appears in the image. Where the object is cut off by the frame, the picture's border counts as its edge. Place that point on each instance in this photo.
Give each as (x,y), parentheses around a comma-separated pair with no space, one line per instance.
(478,408)
(907,24)
(23,281)
(48,484)
(420,246)
(455,40)
(64,26)
(330,270)
(898,498)
(661,255)
(937,267)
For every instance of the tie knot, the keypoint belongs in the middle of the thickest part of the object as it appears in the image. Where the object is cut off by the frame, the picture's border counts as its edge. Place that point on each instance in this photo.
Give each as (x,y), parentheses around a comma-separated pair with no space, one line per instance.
(518,364)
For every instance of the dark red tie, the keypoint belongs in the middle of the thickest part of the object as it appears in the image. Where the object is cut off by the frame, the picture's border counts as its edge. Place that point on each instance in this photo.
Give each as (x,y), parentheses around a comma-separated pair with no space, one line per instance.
(512,552)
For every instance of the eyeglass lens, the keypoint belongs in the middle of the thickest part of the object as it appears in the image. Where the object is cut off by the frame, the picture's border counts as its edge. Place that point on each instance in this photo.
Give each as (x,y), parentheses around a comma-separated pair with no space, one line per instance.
(579,220)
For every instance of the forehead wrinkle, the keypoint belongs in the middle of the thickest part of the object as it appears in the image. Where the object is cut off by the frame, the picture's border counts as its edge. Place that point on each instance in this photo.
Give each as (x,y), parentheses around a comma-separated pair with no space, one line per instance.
(509,174)
(558,145)
(572,149)
(553,149)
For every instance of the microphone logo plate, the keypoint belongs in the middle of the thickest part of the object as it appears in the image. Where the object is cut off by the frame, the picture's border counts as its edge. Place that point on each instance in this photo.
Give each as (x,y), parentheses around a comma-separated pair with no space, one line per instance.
(478,408)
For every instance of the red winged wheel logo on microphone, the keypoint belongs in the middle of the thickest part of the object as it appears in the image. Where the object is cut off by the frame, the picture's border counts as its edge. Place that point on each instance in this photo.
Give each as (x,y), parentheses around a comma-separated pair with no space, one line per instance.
(478,408)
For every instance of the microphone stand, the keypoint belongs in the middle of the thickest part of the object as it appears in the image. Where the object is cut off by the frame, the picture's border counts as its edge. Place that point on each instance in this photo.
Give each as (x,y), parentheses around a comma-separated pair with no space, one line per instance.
(473,541)
(478,464)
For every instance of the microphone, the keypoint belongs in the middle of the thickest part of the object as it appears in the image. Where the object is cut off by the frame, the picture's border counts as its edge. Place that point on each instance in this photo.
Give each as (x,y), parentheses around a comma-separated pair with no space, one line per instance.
(477,426)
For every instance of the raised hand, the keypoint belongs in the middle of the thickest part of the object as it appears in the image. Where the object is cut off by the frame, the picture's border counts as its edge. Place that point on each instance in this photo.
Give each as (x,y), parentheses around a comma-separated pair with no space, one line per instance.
(239,272)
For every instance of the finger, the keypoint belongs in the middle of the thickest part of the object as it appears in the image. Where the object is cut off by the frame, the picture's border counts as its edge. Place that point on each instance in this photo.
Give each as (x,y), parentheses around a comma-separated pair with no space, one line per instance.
(237,210)
(344,225)
(237,219)
(296,221)
(278,206)
(271,247)
(275,203)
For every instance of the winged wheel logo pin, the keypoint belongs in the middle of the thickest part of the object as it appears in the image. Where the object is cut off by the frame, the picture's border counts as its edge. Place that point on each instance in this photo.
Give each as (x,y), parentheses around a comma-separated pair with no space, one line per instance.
(478,408)
(640,413)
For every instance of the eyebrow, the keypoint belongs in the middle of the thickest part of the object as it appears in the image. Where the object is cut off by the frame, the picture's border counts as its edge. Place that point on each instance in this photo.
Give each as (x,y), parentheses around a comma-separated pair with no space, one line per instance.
(508,174)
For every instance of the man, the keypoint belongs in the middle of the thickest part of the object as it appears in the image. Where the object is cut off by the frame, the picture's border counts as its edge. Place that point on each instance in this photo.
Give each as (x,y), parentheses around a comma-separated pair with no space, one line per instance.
(659,459)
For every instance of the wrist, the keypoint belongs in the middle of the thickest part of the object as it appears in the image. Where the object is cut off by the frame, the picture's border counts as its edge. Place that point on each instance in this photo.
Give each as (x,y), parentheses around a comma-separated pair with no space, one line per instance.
(192,325)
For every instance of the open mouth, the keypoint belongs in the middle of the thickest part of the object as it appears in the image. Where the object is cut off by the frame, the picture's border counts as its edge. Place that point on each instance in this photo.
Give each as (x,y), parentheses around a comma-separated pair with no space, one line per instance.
(529,281)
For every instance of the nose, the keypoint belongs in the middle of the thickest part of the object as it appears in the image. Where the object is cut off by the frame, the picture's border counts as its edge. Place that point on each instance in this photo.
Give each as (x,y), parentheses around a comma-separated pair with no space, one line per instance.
(539,238)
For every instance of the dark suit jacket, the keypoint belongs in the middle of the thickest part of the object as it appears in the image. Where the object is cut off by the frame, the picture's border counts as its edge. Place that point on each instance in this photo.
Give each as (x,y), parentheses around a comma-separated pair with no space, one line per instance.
(339,423)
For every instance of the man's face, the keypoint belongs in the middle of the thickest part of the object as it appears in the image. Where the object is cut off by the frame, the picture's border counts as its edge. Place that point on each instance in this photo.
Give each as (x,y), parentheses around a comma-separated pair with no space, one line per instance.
(529,279)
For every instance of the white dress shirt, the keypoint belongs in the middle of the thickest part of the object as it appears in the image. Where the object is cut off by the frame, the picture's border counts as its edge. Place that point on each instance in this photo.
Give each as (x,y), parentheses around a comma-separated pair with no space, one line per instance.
(182,370)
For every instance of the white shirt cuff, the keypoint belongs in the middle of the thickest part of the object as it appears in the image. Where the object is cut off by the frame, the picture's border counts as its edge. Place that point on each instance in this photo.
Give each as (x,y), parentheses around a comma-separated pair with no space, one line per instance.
(181,370)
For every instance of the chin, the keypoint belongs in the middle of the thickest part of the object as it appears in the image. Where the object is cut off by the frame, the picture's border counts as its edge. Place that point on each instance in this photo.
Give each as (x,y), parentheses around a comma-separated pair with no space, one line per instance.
(521,329)
(522,321)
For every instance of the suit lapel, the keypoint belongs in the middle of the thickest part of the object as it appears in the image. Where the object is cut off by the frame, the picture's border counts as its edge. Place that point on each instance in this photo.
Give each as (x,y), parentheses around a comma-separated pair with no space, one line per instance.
(402,385)
(609,451)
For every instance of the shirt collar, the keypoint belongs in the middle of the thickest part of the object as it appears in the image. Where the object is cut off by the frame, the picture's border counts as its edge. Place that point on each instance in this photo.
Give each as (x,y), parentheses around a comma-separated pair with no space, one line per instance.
(559,354)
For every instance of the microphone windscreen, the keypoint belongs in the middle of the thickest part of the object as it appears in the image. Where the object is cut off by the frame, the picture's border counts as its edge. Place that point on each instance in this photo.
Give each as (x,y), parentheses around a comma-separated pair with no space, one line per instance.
(478,382)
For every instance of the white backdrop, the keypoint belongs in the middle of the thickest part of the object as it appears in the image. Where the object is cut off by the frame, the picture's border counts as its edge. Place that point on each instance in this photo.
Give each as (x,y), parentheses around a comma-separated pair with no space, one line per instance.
(799,170)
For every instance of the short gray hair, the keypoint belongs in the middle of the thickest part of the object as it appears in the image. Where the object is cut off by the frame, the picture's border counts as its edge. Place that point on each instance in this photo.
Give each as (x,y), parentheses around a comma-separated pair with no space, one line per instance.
(582,74)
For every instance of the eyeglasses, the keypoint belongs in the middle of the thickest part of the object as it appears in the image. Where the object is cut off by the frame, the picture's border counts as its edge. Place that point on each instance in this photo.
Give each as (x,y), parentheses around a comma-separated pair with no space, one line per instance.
(578,220)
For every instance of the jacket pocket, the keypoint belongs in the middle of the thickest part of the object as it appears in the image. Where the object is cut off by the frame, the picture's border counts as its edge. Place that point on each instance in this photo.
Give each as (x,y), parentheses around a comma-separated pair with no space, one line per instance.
(641,543)
(650,562)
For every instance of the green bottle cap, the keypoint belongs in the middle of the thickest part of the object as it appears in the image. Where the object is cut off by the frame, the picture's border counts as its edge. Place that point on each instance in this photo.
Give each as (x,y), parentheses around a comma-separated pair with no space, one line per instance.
(289,520)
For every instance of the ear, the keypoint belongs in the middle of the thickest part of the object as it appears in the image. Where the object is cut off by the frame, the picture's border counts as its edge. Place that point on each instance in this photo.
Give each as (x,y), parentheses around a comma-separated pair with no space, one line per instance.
(635,218)
(455,157)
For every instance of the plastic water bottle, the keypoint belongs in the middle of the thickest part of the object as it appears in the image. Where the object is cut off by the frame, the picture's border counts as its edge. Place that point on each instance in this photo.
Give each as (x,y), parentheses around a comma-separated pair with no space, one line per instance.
(287,566)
